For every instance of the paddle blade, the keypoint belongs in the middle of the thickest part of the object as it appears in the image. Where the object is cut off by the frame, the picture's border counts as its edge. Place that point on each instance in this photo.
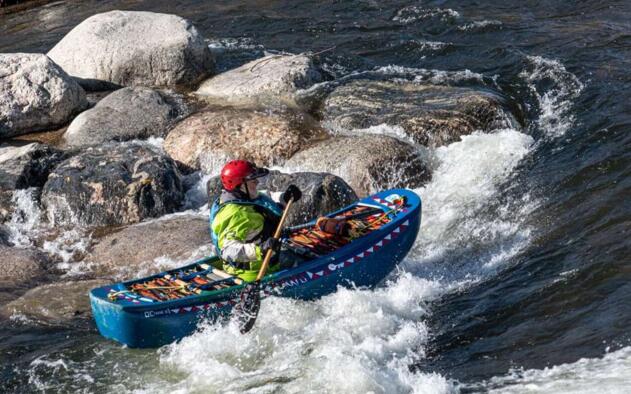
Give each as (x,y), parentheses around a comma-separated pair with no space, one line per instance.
(247,310)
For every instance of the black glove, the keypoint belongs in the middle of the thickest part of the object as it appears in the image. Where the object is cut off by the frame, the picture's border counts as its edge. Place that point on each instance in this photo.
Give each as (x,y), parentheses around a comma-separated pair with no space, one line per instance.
(271,243)
(292,192)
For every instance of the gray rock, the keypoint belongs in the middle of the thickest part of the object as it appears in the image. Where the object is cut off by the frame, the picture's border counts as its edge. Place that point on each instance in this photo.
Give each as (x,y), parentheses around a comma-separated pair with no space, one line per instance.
(272,79)
(20,267)
(321,193)
(132,48)
(429,115)
(35,94)
(209,138)
(132,251)
(4,236)
(368,163)
(112,184)
(56,303)
(125,114)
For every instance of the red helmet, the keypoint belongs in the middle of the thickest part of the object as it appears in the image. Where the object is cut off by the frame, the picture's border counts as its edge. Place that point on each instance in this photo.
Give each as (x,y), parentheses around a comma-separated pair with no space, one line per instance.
(235,172)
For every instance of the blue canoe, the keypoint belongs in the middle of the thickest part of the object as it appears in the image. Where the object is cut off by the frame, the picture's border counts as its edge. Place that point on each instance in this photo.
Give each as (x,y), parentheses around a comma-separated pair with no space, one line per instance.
(138,321)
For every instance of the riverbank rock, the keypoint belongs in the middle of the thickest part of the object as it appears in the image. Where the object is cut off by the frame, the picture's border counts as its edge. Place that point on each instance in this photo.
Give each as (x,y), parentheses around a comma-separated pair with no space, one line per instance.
(35,94)
(429,115)
(208,138)
(321,193)
(271,79)
(112,184)
(21,266)
(56,303)
(125,114)
(137,250)
(368,163)
(134,48)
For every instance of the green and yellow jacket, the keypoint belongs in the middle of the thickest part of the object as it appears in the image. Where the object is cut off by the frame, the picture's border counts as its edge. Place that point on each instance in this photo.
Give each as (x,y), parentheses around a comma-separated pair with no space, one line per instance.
(238,227)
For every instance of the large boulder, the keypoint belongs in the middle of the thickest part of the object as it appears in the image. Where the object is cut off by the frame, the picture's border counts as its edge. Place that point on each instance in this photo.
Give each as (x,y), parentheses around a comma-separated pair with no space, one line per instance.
(125,114)
(272,79)
(207,138)
(112,184)
(56,303)
(35,94)
(429,115)
(20,267)
(368,163)
(139,249)
(321,193)
(131,48)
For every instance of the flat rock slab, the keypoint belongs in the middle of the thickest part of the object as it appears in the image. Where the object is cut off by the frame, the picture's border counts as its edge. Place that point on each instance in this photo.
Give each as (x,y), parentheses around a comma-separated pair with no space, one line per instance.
(128,113)
(133,251)
(135,48)
(210,137)
(112,184)
(271,79)
(321,193)
(368,163)
(429,115)
(35,94)
(56,303)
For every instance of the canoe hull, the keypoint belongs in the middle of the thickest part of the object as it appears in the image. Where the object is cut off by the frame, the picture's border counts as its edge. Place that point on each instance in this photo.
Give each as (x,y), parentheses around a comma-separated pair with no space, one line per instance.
(365,264)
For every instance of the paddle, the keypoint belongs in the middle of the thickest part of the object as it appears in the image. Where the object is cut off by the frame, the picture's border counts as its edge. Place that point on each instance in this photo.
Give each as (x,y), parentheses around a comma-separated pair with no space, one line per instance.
(247,310)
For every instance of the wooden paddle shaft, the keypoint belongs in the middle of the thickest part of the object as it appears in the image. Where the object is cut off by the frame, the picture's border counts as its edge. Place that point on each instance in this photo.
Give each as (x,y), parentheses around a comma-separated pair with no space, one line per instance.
(270,252)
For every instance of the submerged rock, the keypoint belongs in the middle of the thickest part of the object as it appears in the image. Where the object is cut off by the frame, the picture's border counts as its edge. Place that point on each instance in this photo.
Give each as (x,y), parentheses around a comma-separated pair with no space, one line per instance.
(125,114)
(321,193)
(132,48)
(20,267)
(132,251)
(429,115)
(35,94)
(368,163)
(209,138)
(272,79)
(112,184)
(56,303)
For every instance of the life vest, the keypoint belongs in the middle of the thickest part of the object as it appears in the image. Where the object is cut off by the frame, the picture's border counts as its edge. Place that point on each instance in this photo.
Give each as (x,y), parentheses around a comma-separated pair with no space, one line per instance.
(262,203)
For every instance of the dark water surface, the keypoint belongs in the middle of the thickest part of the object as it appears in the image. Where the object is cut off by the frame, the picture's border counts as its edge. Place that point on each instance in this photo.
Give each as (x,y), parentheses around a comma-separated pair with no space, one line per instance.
(566,294)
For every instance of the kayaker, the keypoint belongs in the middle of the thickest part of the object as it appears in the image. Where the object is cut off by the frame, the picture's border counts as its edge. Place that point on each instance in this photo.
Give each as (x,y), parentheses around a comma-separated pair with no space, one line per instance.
(243,220)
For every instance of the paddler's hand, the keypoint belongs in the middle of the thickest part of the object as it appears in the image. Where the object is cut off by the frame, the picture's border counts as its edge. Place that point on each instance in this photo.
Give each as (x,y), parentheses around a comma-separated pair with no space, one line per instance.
(292,192)
(271,243)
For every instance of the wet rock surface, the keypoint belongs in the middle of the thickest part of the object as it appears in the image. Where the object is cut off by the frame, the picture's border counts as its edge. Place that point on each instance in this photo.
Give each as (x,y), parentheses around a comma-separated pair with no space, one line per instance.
(271,79)
(27,166)
(135,249)
(368,163)
(429,115)
(112,184)
(125,114)
(321,193)
(209,138)
(56,303)
(133,48)
(35,94)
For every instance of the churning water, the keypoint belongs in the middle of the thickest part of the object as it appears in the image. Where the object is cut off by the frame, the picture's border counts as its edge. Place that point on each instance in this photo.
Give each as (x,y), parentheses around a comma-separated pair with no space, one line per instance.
(520,278)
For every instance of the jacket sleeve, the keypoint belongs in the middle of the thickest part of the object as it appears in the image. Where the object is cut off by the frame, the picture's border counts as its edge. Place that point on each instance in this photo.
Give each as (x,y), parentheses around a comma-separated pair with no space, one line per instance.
(236,226)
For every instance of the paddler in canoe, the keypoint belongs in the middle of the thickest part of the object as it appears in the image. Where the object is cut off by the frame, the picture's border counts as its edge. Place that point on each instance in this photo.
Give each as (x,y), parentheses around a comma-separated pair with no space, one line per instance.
(243,220)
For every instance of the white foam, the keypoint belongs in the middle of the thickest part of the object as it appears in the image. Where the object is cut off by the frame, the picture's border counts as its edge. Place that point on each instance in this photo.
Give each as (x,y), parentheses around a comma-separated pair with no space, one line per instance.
(609,374)
(555,90)
(411,14)
(26,217)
